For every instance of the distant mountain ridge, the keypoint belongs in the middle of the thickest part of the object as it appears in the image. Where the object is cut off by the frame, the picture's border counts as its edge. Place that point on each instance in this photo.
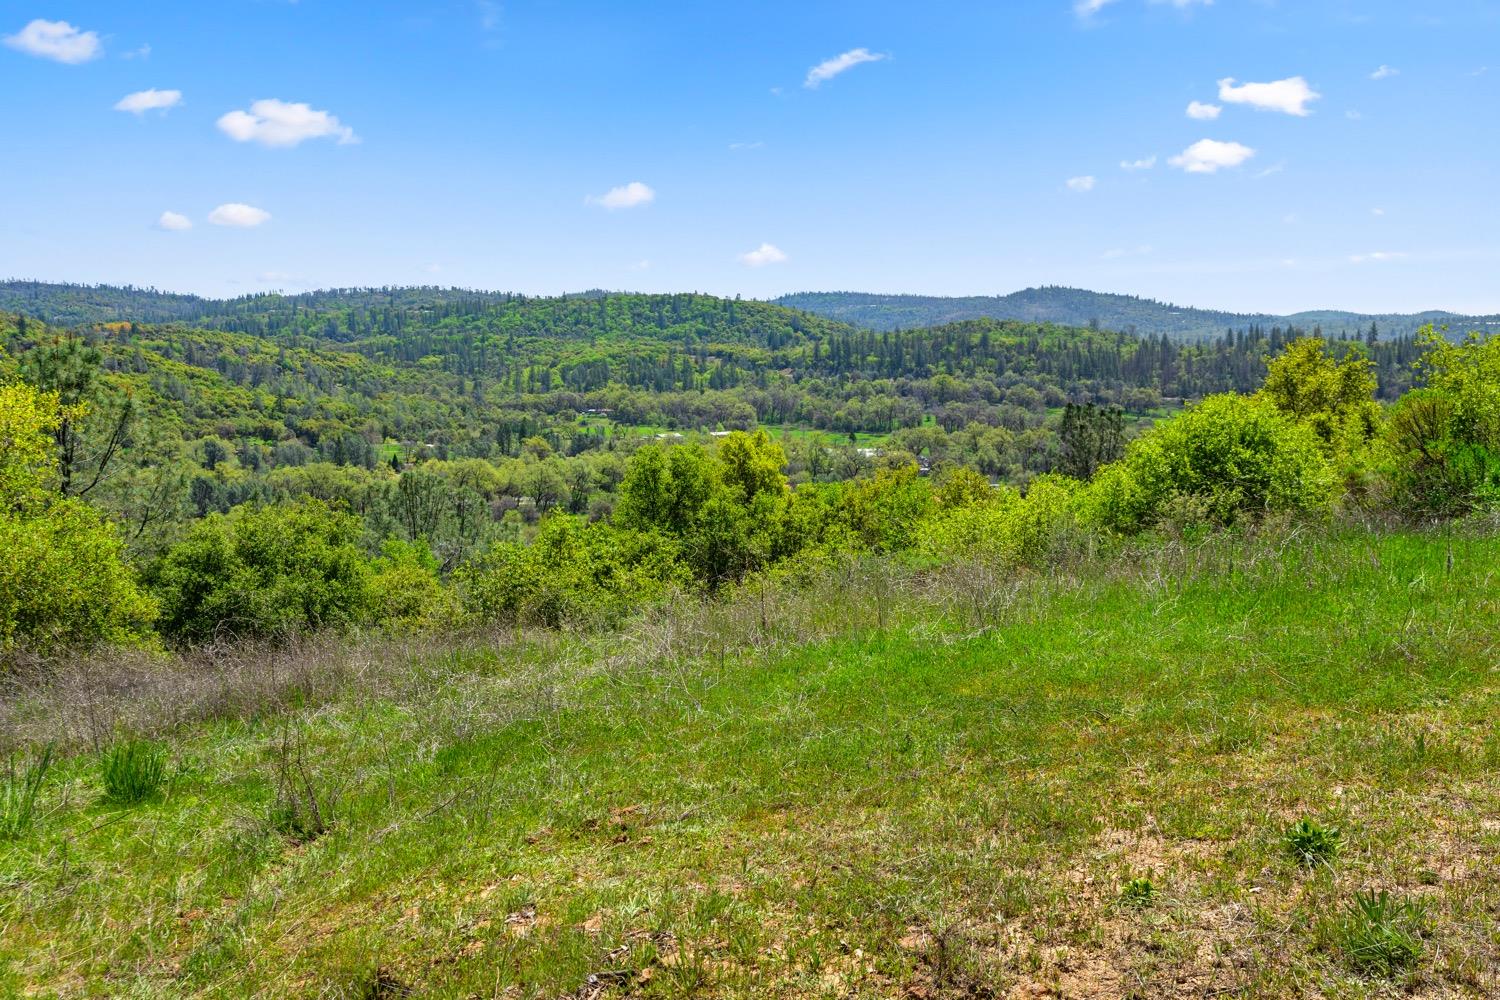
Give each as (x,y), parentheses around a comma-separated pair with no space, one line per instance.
(1080,307)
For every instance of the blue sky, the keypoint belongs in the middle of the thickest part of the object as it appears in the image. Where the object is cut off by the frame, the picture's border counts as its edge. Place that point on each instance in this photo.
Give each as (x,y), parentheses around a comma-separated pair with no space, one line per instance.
(944,147)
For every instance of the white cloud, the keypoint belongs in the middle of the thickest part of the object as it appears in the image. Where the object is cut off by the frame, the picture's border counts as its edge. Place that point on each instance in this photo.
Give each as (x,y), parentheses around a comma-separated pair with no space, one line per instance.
(631,195)
(1203,112)
(1377,212)
(144,52)
(149,100)
(279,123)
(830,68)
(1379,256)
(239,215)
(763,255)
(641,265)
(1208,156)
(1271,171)
(57,40)
(1384,71)
(1290,96)
(1144,163)
(174,222)
(1081,184)
(1088,8)
(1353,115)
(741,146)
(432,268)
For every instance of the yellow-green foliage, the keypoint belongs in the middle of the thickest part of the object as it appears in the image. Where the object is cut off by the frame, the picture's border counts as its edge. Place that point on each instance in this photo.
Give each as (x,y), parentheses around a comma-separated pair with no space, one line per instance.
(1335,397)
(62,580)
(1006,526)
(1228,457)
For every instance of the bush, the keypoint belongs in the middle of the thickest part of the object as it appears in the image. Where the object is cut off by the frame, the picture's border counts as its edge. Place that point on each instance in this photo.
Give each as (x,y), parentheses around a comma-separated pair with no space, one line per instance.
(572,571)
(1011,529)
(1230,456)
(1444,440)
(409,596)
(272,571)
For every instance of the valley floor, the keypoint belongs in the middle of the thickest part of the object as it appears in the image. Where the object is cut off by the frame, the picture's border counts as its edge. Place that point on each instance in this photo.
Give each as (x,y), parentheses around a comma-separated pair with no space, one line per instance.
(937,783)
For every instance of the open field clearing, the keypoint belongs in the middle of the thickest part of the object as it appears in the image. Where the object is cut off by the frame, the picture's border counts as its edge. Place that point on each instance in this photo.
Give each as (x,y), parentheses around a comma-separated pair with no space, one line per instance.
(884,783)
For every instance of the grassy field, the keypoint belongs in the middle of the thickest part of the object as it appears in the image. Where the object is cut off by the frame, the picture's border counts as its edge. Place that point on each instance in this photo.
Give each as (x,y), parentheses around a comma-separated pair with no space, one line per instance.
(939,783)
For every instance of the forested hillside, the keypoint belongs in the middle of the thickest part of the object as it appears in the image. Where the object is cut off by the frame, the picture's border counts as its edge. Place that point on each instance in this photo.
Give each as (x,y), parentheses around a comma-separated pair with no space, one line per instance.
(1131,313)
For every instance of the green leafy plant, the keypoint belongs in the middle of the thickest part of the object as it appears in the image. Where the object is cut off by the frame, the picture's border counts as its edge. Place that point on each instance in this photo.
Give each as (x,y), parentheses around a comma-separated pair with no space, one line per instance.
(1380,934)
(1138,892)
(19,790)
(133,771)
(1312,843)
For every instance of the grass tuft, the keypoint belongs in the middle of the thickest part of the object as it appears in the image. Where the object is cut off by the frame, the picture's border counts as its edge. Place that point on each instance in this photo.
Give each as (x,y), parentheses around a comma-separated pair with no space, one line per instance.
(133,771)
(19,790)
(1380,934)
(1312,843)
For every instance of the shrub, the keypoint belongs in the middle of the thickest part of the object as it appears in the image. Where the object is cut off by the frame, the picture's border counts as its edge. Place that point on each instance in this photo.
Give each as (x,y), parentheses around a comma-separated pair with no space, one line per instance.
(1312,843)
(572,571)
(132,771)
(1011,529)
(1232,456)
(408,594)
(272,571)
(1444,440)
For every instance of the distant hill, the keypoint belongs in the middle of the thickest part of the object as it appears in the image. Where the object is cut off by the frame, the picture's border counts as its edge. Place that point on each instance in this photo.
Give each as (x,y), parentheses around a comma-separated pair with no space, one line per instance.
(1079,307)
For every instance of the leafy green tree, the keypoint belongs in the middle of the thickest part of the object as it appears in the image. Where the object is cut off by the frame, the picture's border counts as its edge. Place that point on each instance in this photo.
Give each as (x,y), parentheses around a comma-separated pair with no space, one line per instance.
(94,421)
(63,581)
(1336,397)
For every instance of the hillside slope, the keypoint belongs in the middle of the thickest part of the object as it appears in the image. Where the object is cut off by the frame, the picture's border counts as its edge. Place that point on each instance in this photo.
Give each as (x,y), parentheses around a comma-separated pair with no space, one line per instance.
(958,784)
(1079,307)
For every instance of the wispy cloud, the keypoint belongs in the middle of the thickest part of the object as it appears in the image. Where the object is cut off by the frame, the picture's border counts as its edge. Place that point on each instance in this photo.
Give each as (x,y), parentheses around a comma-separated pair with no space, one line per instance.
(743,146)
(1203,112)
(142,101)
(830,68)
(1384,71)
(1378,257)
(1144,163)
(282,124)
(1290,96)
(763,255)
(56,40)
(174,222)
(632,195)
(238,215)
(1081,184)
(1088,8)
(1209,156)
(1271,171)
